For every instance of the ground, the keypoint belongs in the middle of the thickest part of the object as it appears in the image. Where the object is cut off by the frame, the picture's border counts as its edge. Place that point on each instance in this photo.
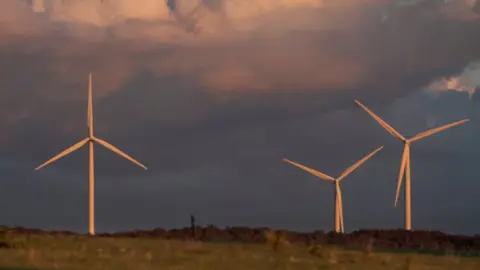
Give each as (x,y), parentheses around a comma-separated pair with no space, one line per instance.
(83,252)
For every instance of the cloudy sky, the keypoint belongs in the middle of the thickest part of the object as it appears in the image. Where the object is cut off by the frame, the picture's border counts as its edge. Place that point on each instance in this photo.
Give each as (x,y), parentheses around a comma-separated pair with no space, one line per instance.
(212,114)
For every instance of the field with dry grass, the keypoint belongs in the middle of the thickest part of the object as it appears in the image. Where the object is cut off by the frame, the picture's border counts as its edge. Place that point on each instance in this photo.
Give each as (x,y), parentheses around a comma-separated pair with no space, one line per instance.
(83,252)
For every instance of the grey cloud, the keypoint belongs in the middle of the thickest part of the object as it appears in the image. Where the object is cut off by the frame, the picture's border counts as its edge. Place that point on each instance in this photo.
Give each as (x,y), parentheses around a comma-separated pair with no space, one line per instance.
(237,177)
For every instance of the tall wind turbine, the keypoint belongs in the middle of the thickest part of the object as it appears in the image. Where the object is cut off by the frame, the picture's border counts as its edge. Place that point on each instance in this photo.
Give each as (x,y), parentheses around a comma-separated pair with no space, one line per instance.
(405,164)
(91,139)
(338,211)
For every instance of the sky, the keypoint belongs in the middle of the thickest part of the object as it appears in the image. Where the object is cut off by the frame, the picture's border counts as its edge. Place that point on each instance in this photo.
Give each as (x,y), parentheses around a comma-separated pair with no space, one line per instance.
(212,114)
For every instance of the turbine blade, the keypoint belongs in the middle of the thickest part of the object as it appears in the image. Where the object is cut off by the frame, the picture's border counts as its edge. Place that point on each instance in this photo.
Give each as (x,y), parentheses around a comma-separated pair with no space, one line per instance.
(360,162)
(90,106)
(384,124)
(118,151)
(64,153)
(312,171)
(405,155)
(340,206)
(436,130)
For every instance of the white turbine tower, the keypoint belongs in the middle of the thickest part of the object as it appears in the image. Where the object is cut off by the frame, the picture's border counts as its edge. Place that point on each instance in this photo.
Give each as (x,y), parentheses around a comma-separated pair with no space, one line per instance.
(338,210)
(91,139)
(405,164)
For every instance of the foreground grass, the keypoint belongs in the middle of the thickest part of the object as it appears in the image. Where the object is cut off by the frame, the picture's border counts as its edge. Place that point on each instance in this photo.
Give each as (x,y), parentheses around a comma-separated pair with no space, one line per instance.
(78,252)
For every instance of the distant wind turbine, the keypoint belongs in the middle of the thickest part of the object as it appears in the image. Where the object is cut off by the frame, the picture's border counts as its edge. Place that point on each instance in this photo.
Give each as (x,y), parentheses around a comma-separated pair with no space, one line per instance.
(405,164)
(339,226)
(91,139)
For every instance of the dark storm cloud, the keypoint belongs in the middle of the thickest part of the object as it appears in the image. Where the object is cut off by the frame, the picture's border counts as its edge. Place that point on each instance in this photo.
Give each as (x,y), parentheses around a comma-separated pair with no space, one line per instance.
(237,177)
(213,116)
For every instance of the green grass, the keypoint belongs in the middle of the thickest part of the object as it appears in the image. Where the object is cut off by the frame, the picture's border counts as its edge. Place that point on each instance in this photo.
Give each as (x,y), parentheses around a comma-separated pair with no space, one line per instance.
(79,252)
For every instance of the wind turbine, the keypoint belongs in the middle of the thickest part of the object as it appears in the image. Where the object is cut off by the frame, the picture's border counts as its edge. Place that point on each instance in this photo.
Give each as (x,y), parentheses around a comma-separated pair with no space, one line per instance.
(338,211)
(91,139)
(405,164)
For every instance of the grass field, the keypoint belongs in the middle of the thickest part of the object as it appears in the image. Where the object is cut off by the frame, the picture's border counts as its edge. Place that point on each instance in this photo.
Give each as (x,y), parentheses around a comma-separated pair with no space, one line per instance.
(80,252)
